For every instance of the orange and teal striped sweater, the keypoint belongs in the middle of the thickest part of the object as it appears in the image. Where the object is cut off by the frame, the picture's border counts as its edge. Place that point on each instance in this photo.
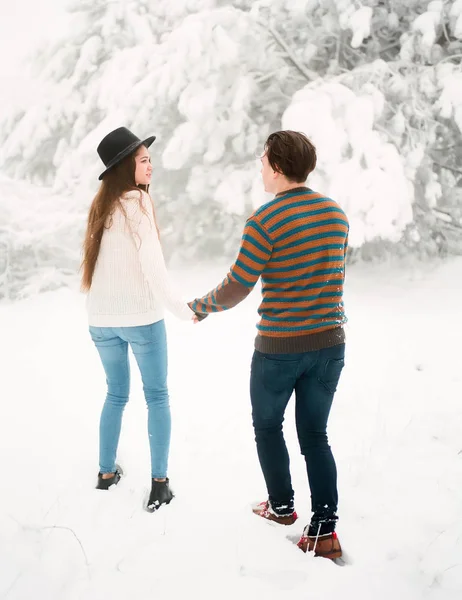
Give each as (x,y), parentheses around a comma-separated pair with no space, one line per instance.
(297,244)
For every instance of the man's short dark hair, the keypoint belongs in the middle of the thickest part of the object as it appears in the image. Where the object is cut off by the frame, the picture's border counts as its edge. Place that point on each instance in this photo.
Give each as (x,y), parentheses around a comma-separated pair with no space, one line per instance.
(292,154)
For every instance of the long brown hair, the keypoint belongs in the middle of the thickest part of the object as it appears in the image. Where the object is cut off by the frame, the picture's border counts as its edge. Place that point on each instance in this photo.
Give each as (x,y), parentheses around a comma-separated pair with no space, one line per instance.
(116,182)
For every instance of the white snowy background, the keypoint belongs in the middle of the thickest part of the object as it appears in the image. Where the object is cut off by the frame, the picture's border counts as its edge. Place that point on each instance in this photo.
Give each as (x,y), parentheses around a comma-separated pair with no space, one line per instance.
(378,87)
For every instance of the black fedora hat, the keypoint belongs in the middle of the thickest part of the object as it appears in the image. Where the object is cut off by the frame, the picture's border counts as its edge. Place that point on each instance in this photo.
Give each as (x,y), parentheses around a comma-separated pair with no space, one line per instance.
(118,144)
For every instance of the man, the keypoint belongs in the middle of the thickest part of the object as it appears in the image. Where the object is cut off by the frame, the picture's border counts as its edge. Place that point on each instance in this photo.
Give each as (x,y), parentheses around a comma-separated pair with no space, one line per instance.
(297,243)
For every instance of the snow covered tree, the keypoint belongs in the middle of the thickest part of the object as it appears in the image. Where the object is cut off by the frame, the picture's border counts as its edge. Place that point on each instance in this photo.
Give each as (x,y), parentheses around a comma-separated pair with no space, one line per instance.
(403,59)
(86,75)
(376,84)
(212,119)
(78,74)
(40,250)
(357,164)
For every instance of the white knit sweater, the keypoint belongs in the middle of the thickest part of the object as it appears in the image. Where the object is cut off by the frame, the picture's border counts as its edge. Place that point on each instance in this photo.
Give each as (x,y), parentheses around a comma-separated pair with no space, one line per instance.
(130,283)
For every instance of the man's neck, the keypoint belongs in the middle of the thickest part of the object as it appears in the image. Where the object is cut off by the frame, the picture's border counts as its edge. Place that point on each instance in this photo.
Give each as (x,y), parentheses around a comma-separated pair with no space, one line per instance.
(290,187)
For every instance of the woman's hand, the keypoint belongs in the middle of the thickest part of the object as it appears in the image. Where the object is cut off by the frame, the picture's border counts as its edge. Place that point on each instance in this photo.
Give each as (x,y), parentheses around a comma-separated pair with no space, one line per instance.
(196,316)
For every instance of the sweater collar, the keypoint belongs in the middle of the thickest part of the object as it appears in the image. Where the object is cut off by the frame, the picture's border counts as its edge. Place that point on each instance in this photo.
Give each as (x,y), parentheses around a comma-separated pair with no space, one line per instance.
(302,188)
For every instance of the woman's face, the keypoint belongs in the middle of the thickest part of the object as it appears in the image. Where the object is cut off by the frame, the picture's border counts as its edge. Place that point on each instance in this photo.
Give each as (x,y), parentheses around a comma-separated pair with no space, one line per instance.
(143,167)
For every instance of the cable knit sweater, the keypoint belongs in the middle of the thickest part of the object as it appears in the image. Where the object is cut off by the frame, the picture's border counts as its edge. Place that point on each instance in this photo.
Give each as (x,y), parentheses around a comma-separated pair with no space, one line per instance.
(130,283)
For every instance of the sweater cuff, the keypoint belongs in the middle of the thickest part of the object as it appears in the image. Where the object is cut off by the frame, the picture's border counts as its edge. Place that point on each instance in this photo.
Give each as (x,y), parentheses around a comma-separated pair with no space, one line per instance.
(200,316)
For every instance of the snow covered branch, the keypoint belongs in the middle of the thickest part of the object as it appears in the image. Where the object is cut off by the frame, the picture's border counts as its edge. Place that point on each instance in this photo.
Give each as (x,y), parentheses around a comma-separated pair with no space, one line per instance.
(307,73)
(448,167)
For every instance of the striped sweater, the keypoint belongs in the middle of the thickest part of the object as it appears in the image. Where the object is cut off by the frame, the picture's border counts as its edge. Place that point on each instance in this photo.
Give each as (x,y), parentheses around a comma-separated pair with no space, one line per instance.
(297,244)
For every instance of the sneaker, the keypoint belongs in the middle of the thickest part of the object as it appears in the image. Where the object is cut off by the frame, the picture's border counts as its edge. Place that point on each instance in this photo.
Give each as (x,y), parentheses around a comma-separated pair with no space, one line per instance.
(105,484)
(265,511)
(326,545)
(160,494)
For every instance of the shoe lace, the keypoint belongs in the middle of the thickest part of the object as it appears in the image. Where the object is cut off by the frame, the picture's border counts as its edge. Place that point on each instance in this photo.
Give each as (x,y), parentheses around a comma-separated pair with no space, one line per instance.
(317,536)
(305,535)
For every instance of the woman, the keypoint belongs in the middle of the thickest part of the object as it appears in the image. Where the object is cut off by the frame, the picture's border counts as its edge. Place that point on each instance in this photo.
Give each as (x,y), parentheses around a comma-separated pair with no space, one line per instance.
(127,283)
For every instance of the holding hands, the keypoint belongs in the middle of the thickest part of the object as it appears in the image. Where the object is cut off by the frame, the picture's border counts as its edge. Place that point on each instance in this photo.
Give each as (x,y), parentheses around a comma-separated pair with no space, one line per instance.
(196,317)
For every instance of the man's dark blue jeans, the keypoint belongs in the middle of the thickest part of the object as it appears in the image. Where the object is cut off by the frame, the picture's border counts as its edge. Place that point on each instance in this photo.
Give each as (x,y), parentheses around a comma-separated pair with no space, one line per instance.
(314,377)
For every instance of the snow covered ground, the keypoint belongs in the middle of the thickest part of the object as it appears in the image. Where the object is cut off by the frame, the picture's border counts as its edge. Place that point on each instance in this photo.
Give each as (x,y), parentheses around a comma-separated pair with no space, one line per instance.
(395,430)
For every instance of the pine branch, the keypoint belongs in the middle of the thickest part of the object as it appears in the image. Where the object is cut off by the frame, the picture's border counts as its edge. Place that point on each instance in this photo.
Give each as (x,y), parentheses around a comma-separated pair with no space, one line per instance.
(445,32)
(443,148)
(451,57)
(442,215)
(390,47)
(446,220)
(445,29)
(447,167)
(264,78)
(307,73)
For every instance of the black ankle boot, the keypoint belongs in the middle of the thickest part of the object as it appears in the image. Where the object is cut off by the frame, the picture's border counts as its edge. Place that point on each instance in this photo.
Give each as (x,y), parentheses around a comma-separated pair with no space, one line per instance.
(160,494)
(105,484)
(322,524)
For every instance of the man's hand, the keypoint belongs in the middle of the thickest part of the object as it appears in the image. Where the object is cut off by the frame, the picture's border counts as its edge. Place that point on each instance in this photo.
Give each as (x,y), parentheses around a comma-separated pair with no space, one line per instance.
(197,316)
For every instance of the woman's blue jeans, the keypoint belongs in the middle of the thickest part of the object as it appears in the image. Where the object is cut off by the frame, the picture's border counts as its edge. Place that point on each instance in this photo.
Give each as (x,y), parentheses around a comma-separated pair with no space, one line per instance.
(149,345)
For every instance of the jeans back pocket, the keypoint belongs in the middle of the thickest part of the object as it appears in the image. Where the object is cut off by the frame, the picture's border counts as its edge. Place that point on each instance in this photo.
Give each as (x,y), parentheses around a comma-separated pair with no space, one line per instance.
(330,374)
(279,375)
